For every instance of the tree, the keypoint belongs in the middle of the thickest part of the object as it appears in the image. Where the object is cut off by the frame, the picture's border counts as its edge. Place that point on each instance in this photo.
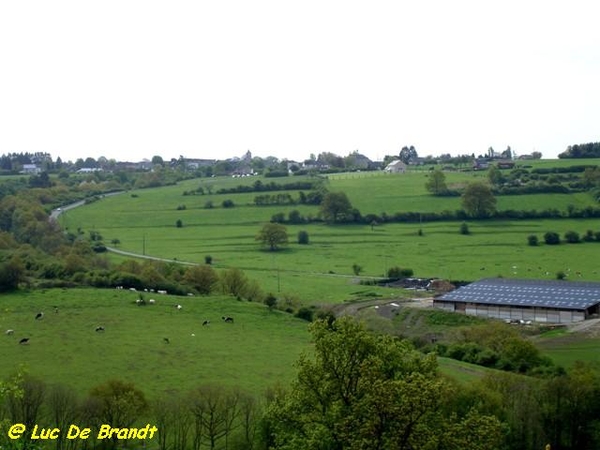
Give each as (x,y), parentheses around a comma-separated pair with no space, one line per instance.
(572,237)
(366,391)
(234,281)
(157,160)
(532,240)
(356,269)
(495,175)
(201,278)
(478,201)
(179,223)
(273,235)
(335,206)
(436,184)
(407,153)
(303,237)
(464,228)
(552,238)
(12,273)
(117,401)
(271,301)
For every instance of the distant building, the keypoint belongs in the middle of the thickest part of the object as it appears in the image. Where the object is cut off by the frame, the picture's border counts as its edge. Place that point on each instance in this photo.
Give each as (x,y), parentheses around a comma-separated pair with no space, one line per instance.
(481,164)
(505,164)
(549,301)
(197,163)
(30,169)
(396,166)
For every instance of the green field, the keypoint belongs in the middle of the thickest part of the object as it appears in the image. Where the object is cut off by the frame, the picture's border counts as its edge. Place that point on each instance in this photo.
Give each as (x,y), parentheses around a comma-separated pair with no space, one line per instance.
(144,222)
(255,352)
(567,349)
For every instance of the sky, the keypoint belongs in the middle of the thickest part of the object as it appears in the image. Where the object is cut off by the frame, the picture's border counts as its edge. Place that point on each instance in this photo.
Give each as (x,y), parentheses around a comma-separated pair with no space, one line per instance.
(130,79)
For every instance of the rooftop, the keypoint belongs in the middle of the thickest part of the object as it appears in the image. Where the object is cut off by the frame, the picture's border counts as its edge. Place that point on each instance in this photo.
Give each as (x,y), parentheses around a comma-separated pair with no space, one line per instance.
(538,293)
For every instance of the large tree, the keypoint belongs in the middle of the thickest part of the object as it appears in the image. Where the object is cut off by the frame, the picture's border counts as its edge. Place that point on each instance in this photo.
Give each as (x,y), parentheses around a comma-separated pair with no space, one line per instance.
(362,391)
(478,201)
(436,184)
(407,153)
(335,206)
(273,235)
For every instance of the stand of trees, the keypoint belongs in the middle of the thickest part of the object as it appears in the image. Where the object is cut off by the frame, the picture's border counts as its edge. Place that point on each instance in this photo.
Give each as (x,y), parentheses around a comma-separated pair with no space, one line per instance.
(589,150)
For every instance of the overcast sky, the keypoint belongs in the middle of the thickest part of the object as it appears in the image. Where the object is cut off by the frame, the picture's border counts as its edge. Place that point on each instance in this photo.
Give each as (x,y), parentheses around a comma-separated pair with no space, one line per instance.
(130,79)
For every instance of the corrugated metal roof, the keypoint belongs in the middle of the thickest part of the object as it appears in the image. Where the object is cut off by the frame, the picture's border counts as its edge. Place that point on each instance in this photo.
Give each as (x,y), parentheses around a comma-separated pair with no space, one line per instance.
(538,293)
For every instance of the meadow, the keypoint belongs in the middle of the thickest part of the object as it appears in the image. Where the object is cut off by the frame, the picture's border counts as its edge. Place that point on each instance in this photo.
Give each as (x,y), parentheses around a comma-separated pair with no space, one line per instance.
(254,353)
(321,272)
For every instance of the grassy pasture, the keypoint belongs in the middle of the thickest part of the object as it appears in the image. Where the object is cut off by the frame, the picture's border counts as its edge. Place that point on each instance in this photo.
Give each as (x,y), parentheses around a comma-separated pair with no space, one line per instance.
(255,352)
(322,271)
(565,350)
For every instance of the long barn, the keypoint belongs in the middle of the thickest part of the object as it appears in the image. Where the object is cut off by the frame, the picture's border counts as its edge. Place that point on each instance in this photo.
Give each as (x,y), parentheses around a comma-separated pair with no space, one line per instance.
(534,300)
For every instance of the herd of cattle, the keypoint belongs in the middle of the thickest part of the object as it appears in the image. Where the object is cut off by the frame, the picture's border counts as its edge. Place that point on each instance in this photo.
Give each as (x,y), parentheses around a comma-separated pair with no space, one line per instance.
(100,328)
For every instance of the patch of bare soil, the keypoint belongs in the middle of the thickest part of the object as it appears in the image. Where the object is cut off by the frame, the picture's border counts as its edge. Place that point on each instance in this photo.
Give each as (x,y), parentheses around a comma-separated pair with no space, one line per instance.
(590,327)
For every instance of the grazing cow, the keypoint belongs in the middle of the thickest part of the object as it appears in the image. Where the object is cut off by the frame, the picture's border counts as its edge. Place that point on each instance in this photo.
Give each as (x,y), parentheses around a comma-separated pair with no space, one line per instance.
(178,307)
(39,316)
(166,340)
(10,332)
(206,322)
(56,309)
(227,319)
(99,328)
(24,341)
(152,301)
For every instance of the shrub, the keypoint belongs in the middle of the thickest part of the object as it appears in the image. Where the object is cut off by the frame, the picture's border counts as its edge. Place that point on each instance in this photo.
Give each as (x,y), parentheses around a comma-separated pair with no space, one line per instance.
(551,238)
(572,237)
(560,275)
(398,273)
(303,237)
(179,223)
(228,203)
(278,218)
(209,205)
(208,260)
(588,236)
(295,216)
(181,207)
(532,239)
(270,301)
(305,313)
(464,228)
(356,269)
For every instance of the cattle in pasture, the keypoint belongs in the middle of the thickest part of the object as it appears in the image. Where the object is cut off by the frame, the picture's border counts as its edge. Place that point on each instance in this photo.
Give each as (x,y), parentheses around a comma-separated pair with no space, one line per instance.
(9,332)
(166,340)
(39,316)
(179,307)
(24,341)
(206,322)
(56,310)
(100,328)
(151,301)
(162,292)
(227,319)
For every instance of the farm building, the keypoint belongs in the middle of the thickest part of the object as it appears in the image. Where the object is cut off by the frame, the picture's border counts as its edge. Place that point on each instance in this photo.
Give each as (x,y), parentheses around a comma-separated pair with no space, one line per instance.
(396,166)
(534,300)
